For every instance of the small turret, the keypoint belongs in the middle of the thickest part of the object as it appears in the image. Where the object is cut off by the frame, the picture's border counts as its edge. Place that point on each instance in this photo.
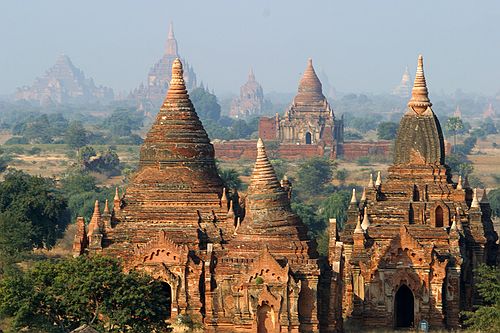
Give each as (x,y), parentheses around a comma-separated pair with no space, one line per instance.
(106,216)
(475,201)
(378,182)
(370,182)
(459,183)
(354,200)
(94,233)
(117,202)
(366,221)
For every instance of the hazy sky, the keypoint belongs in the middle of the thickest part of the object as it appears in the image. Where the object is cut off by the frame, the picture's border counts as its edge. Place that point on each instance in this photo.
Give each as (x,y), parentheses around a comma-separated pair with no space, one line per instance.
(363,46)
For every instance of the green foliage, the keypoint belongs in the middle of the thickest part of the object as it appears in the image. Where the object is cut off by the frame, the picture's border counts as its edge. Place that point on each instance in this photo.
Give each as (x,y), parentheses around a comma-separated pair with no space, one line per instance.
(453,125)
(259,280)
(39,211)
(58,296)
(363,160)
(459,164)
(494,198)
(351,135)
(486,318)
(205,104)
(81,191)
(488,126)
(308,215)
(4,160)
(41,129)
(17,140)
(123,121)
(335,206)
(314,176)
(76,136)
(231,178)
(106,162)
(387,130)
(342,175)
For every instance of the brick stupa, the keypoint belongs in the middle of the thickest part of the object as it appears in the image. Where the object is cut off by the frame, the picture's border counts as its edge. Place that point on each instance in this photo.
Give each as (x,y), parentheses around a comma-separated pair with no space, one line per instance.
(411,244)
(236,264)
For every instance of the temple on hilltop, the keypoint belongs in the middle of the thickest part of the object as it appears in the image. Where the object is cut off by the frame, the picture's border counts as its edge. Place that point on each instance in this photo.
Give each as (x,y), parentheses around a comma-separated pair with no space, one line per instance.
(236,263)
(309,120)
(403,89)
(151,94)
(251,100)
(410,245)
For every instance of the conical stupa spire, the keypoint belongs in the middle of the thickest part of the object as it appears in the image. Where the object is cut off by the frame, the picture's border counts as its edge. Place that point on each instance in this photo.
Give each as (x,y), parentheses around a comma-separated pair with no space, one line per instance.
(171,30)
(251,75)
(177,88)
(263,177)
(459,183)
(106,207)
(354,200)
(484,198)
(94,225)
(171,46)
(366,221)
(310,89)
(419,101)
(378,182)
(363,195)
(359,229)
(475,201)
(370,182)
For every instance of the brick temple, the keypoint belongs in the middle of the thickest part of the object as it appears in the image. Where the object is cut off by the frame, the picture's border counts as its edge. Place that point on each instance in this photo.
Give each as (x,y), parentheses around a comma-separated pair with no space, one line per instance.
(309,120)
(413,240)
(235,263)
(251,100)
(245,263)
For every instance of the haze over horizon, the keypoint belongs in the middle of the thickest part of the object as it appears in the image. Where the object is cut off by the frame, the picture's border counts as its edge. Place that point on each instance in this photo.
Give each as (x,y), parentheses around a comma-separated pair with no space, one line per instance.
(116,42)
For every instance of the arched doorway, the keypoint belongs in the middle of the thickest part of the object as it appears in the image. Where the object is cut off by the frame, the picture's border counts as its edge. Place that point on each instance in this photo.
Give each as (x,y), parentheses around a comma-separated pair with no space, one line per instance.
(265,319)
(439,216)
(167,292)
(308,138)
(404,307)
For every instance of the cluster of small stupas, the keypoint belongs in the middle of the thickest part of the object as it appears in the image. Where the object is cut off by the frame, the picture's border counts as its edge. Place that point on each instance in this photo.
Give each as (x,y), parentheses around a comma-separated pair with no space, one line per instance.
(151,94)
(245,263)
(251,99)
(309,120)
(412,241)
(239,264)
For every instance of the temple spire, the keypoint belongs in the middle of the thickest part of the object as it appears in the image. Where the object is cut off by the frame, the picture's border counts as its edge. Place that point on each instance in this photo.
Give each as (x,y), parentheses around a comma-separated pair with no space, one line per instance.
(353,198)
(419,101)
(177,88)
(251,75)
(310,88)
(94,225)
(263,177)
(171,46)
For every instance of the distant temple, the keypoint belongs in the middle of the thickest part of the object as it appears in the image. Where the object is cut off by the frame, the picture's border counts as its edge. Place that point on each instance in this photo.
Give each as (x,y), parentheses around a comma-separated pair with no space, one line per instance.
(489,112)
(412,242)
(63,83)
(308,121)
(151,94)
(403,90)
(235,263)
(251,99)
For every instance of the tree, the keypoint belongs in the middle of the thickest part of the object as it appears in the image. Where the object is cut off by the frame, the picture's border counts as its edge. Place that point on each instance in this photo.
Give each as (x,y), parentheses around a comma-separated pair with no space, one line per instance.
(387,130)
(80,190)
(486,318)
(488,126)
(205,104)
(494,199)
(4,160)
(314,175)
(335,206)
(453,125)
(231,178)
(75,136)
(309,217)
(342,175)
(123,121)
(58,296)
(39,209)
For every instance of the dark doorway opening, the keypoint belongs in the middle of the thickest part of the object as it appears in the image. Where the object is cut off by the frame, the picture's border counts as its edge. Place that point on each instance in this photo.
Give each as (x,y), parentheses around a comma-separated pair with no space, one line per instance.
(404,307)
(264,319)
(167,292)
(439,217)
(308,138)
